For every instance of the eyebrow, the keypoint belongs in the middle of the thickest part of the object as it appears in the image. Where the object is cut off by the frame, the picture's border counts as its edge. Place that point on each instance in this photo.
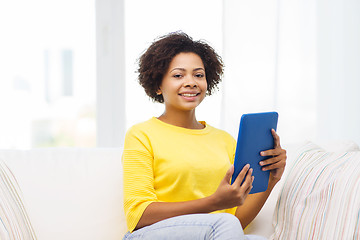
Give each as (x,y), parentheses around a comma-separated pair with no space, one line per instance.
(183,69)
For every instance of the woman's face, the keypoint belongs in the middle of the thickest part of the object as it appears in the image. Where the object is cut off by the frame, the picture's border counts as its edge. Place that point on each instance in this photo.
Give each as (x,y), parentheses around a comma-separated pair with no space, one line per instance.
(184,84)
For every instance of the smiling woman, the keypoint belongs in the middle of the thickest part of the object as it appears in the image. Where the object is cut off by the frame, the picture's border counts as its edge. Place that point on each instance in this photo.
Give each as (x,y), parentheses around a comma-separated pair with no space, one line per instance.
(168,190)
(181,76)
(151,70)
(183,86)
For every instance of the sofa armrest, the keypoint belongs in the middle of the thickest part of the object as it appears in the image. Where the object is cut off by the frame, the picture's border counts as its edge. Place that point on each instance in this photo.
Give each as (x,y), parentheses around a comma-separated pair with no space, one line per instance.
(71,193)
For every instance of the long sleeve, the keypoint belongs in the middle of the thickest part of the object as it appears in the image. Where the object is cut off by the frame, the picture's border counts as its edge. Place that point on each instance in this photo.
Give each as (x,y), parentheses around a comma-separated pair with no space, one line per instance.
(138,177)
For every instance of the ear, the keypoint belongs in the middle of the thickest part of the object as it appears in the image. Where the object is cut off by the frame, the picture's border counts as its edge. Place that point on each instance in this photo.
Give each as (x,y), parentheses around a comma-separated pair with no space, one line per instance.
(158,92)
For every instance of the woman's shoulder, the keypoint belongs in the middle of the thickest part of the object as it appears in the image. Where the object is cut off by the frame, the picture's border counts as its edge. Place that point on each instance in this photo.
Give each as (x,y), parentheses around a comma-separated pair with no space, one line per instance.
(217,130)
(141,126)
(139,133)
(221,133)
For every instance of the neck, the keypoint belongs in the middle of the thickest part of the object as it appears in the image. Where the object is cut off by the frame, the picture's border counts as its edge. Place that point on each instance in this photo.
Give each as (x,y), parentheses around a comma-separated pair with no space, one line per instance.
(181,119)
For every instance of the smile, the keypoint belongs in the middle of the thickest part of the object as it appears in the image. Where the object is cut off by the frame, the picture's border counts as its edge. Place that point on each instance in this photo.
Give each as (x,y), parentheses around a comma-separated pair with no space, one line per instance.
(189,94)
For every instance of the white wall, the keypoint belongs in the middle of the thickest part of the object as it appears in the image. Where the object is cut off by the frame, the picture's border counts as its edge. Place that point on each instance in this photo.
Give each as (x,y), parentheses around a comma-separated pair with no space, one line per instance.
(338,49)
(300,58)
(270,54)
(249,35)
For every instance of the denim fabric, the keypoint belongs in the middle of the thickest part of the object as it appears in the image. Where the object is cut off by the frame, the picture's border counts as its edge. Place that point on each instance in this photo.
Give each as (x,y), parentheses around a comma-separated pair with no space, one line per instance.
(222,226)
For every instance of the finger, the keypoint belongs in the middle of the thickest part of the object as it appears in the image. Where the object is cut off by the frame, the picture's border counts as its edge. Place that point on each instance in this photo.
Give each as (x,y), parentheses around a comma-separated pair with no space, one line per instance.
(270,161)
(276,139)
(229,174)
(251,186)
(241,175)
(248,180)
(280,164)
(273,152)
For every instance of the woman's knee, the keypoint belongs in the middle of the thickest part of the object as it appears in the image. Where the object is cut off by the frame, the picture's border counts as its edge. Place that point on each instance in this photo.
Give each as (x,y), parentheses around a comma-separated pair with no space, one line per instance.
(229,219)
(228,227)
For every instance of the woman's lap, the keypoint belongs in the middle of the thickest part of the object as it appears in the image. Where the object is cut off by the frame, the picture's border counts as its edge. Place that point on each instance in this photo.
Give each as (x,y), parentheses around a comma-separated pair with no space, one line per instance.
(194,226)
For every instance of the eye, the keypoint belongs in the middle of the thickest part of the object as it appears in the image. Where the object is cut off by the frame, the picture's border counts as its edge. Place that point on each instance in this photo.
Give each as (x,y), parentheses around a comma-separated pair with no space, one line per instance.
(199,75)
(177,76)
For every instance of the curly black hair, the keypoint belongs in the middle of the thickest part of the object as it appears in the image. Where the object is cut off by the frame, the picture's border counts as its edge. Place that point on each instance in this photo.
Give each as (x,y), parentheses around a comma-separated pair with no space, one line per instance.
(155,61)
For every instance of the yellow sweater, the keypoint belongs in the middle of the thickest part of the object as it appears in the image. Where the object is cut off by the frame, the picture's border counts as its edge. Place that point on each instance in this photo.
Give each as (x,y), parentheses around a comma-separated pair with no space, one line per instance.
(166,163)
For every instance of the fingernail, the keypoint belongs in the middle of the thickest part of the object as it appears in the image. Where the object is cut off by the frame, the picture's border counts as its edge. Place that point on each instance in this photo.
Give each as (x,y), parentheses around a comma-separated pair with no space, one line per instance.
(261,163)
(262,153)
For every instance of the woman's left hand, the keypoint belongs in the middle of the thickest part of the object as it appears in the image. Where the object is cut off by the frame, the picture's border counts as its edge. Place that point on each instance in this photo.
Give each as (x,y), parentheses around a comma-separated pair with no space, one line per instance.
(276,164)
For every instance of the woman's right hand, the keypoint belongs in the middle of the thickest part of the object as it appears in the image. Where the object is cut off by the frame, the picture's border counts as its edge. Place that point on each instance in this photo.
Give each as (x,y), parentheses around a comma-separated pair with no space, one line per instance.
(232,195)
(226,196)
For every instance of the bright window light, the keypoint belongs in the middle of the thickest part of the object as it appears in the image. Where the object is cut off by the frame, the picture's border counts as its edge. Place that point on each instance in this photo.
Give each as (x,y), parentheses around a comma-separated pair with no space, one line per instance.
(47,86)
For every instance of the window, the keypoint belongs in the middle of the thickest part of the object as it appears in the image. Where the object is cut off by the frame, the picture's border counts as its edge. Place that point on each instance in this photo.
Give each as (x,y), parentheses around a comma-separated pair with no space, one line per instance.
(47,86)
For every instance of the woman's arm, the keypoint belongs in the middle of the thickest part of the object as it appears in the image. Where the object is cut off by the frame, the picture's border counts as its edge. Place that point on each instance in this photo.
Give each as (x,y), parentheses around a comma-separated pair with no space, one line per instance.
(276,165)
(226,196)
(252,206)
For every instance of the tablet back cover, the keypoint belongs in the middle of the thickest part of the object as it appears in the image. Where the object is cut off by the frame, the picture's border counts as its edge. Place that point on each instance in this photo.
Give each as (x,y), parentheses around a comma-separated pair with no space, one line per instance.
(255,136)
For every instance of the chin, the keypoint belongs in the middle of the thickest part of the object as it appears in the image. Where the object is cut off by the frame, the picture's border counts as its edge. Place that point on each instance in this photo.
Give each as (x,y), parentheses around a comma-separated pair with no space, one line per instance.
(190,107)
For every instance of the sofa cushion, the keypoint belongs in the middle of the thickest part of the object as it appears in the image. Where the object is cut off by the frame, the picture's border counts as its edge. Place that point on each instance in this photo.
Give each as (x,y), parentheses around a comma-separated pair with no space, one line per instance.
(320,198)
(14,220)
(262,224)
(71,193)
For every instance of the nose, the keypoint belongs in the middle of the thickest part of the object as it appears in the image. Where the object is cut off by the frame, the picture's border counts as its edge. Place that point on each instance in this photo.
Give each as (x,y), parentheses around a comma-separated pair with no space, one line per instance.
(190,82)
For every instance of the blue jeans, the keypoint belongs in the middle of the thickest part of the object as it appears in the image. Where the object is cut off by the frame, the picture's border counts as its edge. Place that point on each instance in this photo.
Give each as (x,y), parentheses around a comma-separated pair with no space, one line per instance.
(222,226)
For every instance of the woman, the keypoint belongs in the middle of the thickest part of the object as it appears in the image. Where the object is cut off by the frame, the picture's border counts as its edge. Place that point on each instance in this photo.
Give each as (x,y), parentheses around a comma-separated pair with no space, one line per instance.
(176,169)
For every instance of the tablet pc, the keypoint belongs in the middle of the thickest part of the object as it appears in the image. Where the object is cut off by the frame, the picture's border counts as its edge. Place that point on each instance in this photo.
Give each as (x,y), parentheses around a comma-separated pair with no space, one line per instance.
(255,136)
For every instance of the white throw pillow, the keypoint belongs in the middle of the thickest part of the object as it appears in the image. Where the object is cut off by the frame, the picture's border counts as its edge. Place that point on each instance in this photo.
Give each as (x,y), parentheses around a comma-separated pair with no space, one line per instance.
(320,198)
(340,146)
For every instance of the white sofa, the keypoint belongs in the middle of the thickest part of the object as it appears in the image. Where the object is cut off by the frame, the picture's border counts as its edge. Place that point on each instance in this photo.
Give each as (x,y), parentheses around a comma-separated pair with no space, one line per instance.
(76,193)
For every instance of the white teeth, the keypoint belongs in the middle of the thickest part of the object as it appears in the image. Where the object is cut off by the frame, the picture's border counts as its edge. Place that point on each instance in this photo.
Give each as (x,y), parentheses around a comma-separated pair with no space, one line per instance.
(189,95)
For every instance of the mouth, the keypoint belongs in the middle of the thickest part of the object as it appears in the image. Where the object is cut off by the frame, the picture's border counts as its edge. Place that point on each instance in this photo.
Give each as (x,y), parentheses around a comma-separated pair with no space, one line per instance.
(189,94)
